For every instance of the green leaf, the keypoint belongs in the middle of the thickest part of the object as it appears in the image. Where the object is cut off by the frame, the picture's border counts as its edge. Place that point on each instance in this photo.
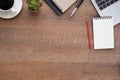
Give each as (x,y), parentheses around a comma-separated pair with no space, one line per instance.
(34,4)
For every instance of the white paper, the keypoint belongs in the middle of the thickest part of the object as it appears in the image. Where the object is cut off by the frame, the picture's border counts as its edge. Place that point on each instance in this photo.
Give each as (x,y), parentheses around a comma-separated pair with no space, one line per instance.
(103,33)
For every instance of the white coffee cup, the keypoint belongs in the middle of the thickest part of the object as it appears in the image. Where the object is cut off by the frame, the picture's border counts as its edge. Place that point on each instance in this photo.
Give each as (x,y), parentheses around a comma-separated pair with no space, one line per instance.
(7,5)
(9,10)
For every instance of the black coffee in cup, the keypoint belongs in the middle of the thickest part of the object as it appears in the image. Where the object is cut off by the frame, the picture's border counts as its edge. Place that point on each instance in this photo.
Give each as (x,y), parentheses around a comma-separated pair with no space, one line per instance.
(6,4)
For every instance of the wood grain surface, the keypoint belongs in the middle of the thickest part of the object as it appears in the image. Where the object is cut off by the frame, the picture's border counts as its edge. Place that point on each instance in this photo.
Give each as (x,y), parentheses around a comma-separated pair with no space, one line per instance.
(45,46)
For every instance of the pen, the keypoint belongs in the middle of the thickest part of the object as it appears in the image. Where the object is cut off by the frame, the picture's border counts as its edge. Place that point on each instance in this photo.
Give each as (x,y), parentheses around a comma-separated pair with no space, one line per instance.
(76,7)
(88,34)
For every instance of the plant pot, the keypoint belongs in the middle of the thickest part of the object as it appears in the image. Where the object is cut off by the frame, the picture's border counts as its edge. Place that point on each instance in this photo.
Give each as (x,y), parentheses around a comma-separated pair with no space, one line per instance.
(34,5)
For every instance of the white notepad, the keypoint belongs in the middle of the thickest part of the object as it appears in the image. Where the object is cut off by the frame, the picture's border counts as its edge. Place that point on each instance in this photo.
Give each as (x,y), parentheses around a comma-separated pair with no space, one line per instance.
(103,33)
(64,4)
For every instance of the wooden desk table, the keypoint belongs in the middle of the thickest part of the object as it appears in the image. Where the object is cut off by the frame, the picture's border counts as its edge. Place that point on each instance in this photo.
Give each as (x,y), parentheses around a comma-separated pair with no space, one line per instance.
(44,46)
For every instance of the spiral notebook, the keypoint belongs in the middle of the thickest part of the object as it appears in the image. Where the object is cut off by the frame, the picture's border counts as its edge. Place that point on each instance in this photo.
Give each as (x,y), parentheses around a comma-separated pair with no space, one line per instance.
(60,6)
(103,33)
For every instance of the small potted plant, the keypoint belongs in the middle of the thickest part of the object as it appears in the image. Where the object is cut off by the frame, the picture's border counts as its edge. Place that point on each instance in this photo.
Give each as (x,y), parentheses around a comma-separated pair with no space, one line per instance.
(34,5)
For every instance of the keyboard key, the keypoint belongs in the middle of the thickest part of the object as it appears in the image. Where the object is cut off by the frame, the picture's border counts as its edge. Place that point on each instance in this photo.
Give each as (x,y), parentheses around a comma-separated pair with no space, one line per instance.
(101,8)
(108,4)
(116,0)
(107,0)
(97,1)
(102,4)
(111,2)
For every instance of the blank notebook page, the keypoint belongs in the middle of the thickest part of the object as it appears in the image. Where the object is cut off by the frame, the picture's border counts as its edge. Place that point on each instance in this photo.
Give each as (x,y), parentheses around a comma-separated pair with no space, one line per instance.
(64,4)
(103,33)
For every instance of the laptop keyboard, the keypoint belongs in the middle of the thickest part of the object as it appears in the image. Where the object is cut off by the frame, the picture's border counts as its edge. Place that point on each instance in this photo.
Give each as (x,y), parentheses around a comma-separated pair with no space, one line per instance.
(102,4)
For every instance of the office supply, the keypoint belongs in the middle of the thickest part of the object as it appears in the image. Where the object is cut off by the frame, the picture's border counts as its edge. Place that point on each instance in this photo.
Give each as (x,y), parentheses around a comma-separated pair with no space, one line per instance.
(60,6)
(76,7)
(8,14)
(108,8)
(54,7)
(88,34)
(103,33)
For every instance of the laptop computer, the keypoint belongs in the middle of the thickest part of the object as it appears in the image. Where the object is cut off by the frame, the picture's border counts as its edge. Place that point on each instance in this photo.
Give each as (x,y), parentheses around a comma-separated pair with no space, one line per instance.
(108,8)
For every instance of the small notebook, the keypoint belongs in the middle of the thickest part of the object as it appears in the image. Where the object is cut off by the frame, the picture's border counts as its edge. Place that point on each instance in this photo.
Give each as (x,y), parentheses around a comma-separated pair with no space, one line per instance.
(64,4)
(103,33)
(60,6)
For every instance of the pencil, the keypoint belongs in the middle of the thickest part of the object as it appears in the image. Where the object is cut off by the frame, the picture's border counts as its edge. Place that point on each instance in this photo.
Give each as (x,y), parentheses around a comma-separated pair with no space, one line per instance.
(88,34)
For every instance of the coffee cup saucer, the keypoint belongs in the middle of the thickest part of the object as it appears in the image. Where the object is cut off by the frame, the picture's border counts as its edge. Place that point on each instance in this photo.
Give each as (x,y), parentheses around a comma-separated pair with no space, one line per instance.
(9,14)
